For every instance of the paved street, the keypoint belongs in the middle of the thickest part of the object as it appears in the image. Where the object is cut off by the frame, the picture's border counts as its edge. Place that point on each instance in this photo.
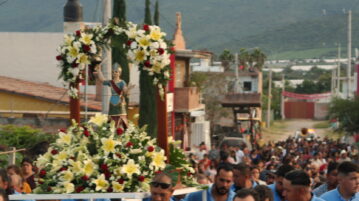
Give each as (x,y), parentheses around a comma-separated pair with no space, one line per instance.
(282,129)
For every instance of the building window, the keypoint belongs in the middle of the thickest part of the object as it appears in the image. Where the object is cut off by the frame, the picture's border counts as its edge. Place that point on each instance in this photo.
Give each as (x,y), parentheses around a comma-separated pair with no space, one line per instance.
(247,86)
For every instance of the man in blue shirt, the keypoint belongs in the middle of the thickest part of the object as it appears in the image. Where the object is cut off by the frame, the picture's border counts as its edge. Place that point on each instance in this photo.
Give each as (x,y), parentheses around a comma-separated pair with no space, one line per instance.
(220,190)
(296,187)
(348,179)
(331,182)
(242,177)
(277,187)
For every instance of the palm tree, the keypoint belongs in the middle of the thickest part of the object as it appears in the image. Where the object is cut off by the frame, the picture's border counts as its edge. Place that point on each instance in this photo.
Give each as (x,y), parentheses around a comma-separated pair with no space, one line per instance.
(226,58)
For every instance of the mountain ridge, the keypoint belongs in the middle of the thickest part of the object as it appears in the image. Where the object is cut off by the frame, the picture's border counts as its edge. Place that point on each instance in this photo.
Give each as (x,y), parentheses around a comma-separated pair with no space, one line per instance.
(207,24)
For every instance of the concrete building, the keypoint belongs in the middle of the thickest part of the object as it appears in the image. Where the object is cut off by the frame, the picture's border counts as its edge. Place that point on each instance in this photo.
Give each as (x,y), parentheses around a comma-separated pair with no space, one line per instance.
(190,124)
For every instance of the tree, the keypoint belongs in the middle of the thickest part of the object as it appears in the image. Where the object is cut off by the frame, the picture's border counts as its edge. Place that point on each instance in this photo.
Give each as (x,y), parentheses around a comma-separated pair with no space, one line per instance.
(258,57)
(148,13)
(226,58)
(148,106)
(156,17)
(118,53)
(254,59)
(345,111)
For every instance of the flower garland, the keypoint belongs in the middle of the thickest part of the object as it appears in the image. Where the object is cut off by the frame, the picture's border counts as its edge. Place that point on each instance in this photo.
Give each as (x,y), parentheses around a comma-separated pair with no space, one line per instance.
(146,47)
(97,157)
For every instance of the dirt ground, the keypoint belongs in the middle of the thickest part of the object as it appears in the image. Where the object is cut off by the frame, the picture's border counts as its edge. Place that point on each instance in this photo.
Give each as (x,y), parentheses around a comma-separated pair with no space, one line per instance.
(281,130)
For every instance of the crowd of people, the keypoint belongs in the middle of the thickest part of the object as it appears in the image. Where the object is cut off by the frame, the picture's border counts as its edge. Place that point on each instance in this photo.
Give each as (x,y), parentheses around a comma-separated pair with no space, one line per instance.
(297,169)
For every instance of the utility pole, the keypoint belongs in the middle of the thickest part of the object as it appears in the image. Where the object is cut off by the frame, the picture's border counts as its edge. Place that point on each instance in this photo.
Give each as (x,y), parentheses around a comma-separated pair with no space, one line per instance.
(338,71)
(349,53)
(236,87)
(107,59)
(333,82)
(269,96)
(282,98)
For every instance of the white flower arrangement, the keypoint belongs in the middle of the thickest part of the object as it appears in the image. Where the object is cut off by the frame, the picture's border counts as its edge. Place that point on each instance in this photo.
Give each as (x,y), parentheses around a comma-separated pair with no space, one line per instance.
(146,47)
(97,157)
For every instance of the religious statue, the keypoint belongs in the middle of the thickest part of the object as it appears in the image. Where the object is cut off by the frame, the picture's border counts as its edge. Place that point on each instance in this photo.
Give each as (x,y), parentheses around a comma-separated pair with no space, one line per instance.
(119,91)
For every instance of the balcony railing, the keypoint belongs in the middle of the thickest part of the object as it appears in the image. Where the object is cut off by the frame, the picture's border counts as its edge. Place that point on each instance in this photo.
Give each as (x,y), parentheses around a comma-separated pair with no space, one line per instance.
(187,99)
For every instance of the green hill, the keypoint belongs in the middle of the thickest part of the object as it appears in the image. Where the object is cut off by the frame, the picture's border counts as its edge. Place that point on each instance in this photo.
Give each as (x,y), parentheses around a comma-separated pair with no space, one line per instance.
(277,26)
(307,39)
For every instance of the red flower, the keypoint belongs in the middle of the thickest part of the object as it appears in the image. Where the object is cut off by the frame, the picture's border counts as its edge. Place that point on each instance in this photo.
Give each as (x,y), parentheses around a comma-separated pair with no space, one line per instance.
(59,57)
(118,155)
(147,63)
(79,189)
(129,42)
(158,172)
(150,148)
(107,174)
(146,27)
(141,178)
(129,144)
(121,181)
(63,130)
(86,132)
(74,65)
(85,178)
(41,182)
(49,189)
(172,49)
(54,152)
(86,48)
(63,169)
(189,174)
(42,173)
(104,167)
(78,33)
(160,51)
(119,131)
(109,190)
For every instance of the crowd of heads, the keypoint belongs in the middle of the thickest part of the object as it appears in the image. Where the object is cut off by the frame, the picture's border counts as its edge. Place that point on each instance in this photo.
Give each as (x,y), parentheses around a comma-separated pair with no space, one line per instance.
(295,167)
(17,180)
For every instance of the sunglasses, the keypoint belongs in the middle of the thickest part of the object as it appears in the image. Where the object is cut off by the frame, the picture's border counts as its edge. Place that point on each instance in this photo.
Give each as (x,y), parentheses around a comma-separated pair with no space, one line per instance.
(159,184)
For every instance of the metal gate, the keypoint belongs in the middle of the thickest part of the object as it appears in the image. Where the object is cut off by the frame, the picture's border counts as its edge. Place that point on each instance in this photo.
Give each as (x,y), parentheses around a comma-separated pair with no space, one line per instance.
(299,110)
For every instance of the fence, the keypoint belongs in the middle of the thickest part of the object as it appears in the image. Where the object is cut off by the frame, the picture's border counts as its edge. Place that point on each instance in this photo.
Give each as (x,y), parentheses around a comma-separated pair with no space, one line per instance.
(12,154)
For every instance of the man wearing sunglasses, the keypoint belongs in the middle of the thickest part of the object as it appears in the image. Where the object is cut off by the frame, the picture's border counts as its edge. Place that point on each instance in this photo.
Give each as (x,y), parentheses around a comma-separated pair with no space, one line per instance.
(220,190)
(161,188)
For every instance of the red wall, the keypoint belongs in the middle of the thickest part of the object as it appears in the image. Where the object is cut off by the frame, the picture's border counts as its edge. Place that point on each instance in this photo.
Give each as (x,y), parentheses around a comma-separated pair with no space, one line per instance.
(299,110)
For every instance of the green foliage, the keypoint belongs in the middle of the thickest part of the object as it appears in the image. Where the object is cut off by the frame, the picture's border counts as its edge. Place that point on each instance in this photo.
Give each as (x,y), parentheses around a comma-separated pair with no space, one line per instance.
(148,19)
(251,58)
(226,58)
(276,26)
(322,124)
(118,52)
(179,166)
(148,104)
(21,137)
(156,17)
(119,9)
(346,112)
(198,79)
